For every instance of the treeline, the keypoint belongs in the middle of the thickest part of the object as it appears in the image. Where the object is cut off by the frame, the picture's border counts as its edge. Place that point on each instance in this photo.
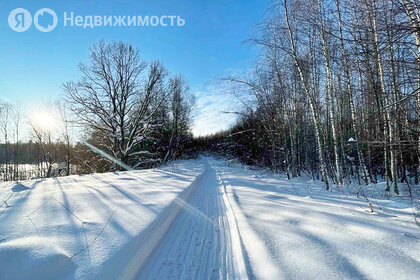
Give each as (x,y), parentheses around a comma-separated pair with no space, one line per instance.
(28,152)
(129,113)
(335,92)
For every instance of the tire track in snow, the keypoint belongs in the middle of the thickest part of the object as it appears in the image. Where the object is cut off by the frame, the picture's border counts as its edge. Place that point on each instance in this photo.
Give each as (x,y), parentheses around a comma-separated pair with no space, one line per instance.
(202,242)
(260,260)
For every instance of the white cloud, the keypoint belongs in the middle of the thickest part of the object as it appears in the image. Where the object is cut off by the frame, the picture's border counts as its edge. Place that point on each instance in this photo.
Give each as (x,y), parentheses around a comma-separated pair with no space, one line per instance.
(210,107)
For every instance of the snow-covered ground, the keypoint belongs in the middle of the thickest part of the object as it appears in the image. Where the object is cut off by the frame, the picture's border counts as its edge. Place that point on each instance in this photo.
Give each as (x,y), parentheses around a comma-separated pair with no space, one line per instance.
(305,232)
(202,219)
(84,227)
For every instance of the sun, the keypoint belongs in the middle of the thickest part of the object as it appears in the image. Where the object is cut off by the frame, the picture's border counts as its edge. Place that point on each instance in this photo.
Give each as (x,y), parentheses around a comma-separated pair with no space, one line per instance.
(44,120)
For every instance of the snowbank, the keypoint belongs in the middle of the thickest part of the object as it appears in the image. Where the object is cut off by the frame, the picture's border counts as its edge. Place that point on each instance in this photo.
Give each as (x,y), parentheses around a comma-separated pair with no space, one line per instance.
(75,227)
(34,258)
(305,232)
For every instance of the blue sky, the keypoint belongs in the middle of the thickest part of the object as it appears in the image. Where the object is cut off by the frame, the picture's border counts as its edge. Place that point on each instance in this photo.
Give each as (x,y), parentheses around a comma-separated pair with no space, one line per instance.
(34,65)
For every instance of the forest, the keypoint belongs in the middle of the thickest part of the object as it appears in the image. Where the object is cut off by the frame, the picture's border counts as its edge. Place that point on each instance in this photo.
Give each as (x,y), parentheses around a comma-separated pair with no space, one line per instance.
(334,93)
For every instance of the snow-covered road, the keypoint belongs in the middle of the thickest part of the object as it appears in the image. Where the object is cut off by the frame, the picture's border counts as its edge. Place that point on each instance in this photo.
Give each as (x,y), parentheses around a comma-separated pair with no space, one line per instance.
(199,244)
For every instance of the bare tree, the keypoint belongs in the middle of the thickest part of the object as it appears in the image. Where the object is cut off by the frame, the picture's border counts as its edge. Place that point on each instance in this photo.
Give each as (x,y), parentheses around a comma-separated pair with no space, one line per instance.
(181,104)
(117,99)
(5,111)
(43,135)
(336,90)
(17,117)
(329,93)
(312,104)
(65,124)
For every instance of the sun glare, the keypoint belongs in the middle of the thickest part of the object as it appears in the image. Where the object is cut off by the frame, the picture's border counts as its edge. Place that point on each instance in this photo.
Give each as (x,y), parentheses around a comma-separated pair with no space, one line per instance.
(44,120)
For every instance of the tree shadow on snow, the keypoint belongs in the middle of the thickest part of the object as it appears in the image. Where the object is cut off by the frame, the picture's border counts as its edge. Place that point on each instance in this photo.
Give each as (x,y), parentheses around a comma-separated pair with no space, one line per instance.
(19,188)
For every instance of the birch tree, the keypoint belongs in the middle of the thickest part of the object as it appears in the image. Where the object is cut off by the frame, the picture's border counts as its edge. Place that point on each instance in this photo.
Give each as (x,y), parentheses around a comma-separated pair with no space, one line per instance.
(315,116)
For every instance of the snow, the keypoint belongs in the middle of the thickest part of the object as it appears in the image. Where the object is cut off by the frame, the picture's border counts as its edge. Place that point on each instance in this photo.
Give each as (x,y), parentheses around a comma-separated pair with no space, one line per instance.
(204,219)
(33,258)
(311,233)
(83,223)
(199,244)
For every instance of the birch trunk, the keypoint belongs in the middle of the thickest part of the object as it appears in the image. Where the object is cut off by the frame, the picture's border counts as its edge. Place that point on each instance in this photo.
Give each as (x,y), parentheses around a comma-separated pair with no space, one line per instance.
(412,10)
(315,118)
(329,96)
(349,89)
(390,120)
